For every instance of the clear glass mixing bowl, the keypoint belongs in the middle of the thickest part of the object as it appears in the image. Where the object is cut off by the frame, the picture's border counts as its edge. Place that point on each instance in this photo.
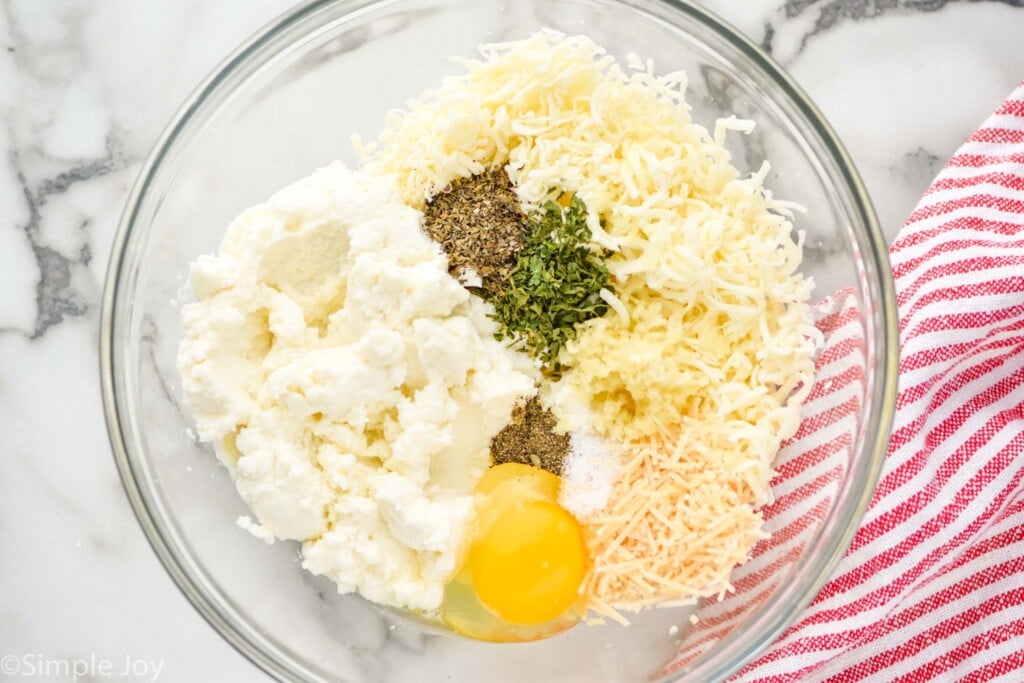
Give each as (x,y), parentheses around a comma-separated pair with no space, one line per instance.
(284,104)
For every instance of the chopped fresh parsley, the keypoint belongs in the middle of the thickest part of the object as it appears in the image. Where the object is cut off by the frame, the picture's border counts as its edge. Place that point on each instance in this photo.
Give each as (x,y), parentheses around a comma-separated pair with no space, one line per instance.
(555,283)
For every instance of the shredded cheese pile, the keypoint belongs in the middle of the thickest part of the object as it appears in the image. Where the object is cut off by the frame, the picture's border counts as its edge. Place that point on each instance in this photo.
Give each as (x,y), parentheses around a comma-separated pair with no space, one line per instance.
(677,522)
(706,355)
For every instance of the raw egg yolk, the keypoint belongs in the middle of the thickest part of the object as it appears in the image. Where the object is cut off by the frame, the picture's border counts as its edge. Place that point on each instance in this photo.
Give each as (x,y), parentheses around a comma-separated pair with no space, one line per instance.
(523,576)
(528,566)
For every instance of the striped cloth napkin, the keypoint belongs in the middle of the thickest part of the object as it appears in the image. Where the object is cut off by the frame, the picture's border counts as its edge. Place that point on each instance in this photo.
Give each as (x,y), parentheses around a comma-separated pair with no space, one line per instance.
(933,584)
(932,587)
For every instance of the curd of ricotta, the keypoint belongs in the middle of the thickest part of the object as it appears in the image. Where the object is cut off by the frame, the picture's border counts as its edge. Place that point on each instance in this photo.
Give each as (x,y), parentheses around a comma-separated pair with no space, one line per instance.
(349,383)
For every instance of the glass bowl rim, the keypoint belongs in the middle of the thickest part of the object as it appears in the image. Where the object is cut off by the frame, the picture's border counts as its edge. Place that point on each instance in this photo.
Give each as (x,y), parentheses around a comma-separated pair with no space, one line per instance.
(882,403)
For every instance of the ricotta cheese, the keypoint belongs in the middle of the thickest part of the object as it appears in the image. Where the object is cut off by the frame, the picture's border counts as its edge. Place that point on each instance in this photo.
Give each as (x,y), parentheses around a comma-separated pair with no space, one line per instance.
(349,383)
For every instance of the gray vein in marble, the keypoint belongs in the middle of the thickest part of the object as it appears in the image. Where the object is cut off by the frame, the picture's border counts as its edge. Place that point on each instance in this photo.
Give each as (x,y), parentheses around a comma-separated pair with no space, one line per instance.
(406,639)
(148,338)
(53,494)
(834,12)
(364,644)
(67,505)
(769,36)
(56,297)
(385,632)
(917,167)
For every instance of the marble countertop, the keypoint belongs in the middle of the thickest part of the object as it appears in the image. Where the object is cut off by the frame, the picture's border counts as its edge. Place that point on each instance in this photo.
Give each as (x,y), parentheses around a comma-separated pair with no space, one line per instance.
(85,88)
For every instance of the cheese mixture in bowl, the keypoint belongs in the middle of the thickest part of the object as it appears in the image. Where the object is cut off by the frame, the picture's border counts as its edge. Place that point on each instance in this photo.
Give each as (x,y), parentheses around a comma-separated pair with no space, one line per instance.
(528,365)
(522,359)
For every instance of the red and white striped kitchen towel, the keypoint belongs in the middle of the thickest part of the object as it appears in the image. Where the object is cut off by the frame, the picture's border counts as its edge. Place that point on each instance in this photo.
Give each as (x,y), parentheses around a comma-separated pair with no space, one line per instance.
(933,584)
(932,587)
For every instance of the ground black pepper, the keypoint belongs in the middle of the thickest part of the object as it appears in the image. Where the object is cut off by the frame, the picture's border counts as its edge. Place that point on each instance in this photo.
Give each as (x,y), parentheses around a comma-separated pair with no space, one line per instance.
(530,438)
(480,225)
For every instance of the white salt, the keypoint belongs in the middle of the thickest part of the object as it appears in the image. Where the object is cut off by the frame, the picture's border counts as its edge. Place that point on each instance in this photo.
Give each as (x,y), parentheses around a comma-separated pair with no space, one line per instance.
(593,464)
(588,473)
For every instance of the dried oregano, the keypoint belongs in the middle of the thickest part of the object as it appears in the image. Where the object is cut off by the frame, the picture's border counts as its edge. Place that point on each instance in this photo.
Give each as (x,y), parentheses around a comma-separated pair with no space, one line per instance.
(480,226)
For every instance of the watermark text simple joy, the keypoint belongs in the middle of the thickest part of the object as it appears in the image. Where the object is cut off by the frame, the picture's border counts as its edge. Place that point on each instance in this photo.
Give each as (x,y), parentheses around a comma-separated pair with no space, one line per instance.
(91,667)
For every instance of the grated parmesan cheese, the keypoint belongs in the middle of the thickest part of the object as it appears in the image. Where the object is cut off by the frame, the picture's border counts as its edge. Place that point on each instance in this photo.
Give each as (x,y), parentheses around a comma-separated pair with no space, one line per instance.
(701,367)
